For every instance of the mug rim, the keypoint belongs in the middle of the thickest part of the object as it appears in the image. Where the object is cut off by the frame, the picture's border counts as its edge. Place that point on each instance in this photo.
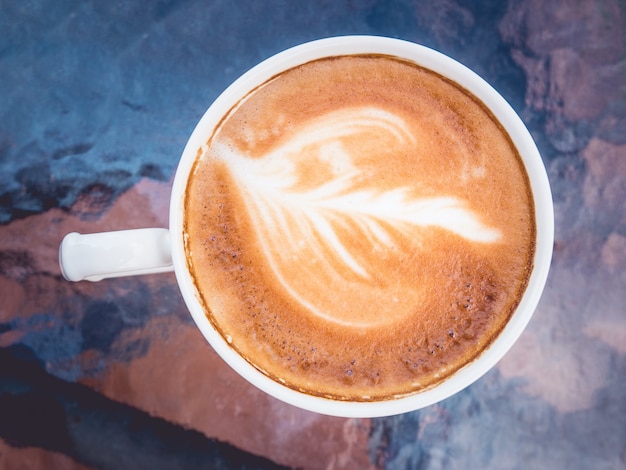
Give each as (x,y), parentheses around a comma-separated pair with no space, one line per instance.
(458,73)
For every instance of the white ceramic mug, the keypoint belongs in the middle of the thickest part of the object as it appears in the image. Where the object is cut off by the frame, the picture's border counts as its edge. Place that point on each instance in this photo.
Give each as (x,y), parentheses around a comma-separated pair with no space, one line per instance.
(103,255)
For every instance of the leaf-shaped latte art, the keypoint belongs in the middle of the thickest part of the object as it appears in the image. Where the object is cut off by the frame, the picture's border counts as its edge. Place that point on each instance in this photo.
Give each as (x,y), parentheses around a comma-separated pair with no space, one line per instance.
(320,217)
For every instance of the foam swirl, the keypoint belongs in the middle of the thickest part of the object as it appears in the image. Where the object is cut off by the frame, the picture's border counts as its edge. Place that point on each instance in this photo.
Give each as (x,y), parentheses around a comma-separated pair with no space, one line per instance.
(313,205)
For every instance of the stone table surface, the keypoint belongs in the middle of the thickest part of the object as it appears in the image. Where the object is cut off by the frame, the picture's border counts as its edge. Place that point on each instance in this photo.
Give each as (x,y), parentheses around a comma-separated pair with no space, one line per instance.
(97,99)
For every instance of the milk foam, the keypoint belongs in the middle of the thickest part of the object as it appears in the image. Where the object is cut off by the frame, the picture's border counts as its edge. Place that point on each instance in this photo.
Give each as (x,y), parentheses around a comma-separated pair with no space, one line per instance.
(295,213)
(359,228)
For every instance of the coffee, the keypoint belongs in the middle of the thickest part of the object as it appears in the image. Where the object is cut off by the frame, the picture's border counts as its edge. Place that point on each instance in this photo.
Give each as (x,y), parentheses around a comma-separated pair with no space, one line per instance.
(359,227)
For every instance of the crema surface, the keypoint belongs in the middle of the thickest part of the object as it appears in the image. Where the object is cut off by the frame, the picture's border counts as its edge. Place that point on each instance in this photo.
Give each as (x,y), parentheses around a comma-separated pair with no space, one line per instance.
(359,227)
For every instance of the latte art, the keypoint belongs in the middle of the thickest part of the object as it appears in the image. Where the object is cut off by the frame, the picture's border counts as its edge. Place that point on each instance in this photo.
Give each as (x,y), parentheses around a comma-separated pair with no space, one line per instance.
(359,227)
(308,199)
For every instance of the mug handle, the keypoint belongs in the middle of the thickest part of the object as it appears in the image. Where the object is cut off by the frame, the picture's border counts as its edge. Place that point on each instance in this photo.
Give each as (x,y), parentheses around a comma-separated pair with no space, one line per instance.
(97,256)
